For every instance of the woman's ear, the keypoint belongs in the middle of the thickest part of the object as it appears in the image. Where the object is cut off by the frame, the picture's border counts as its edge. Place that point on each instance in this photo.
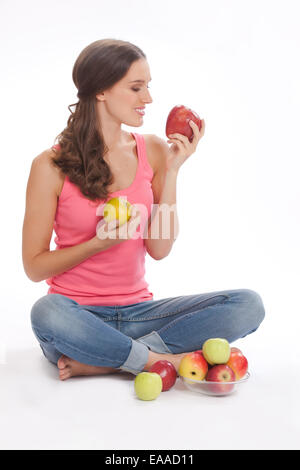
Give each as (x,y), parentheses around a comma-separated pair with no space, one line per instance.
(100,97)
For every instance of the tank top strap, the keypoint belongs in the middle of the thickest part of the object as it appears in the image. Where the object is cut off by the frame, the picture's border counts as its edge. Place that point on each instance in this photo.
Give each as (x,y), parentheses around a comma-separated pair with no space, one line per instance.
(142,155)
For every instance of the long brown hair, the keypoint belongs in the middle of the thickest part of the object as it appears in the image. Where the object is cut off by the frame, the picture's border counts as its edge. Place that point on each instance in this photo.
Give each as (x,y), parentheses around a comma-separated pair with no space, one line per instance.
(98,67)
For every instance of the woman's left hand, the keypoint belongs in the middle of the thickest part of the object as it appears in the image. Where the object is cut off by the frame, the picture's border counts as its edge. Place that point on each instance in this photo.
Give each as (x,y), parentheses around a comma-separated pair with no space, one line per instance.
(182,148)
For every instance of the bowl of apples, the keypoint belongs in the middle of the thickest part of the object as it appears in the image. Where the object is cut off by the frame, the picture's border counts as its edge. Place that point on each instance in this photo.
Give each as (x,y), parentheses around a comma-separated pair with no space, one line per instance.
(216,369)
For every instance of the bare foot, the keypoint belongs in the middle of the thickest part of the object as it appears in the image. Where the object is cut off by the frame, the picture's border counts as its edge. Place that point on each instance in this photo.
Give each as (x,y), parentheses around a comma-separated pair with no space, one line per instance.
(70,368)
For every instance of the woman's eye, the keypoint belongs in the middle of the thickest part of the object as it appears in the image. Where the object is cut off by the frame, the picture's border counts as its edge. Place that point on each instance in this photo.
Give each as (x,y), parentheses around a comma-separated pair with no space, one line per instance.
(138,89)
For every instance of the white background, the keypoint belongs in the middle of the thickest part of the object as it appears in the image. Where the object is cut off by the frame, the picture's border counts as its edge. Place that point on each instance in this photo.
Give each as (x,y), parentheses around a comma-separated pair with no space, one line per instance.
(236,63)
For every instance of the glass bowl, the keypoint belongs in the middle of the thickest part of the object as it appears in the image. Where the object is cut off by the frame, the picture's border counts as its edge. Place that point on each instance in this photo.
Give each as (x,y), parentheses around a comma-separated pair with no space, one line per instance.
(213,388)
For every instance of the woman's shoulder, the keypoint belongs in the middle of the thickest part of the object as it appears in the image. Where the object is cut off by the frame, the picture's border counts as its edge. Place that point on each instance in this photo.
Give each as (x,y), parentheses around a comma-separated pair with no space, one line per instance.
(45,168)
(156,148)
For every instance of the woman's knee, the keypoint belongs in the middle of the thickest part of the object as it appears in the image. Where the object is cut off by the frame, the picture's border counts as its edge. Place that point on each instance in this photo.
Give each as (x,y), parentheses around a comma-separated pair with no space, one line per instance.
(255,311)
(46,309)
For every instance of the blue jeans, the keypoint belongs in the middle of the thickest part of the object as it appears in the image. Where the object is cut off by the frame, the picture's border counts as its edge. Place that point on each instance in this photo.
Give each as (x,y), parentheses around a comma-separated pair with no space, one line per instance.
(121,336)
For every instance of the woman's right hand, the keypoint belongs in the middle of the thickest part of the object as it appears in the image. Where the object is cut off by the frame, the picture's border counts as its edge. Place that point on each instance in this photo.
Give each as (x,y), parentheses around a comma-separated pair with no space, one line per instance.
(114,233)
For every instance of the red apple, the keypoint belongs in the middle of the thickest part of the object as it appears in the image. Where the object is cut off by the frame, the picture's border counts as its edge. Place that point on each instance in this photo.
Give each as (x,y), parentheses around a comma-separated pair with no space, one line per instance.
(221,373)
(167,372)
(238,363)
(178,121)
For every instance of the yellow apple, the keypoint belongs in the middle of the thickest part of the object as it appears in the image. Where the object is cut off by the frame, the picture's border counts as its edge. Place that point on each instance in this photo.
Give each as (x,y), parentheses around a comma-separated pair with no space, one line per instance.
(193,366)
(117,208)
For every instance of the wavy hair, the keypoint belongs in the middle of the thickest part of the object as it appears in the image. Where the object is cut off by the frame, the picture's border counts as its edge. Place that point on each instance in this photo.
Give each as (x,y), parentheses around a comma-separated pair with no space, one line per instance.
(98,67)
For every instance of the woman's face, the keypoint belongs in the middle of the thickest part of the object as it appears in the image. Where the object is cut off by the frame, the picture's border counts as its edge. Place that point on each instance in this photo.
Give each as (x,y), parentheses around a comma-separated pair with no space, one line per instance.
(119,103)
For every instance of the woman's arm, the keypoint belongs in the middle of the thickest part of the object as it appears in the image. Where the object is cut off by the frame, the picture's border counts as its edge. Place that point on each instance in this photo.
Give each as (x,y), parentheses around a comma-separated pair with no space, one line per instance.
(163,227)
(41,201)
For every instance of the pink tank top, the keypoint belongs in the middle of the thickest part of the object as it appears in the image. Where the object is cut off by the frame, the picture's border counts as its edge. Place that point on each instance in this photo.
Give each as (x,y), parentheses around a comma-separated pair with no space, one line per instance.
(114,276)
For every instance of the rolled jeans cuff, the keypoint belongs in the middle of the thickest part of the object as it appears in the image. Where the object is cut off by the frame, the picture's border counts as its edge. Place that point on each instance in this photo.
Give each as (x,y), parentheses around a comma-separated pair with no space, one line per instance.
(155,343)
(137,358)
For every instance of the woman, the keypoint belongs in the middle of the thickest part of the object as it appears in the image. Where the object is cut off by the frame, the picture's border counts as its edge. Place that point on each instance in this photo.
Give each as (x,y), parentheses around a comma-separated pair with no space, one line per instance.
(98,316)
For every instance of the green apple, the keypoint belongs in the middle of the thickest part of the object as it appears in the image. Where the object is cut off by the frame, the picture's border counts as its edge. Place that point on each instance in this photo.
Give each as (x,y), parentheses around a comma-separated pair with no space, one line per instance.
(148,385)
(216,351)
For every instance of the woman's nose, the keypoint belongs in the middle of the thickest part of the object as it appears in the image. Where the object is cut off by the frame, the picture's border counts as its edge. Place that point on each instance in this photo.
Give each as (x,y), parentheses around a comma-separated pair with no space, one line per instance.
(148,98)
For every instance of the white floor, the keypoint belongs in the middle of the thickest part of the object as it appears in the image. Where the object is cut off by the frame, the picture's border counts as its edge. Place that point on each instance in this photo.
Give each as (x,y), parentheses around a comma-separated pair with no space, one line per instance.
(38,411)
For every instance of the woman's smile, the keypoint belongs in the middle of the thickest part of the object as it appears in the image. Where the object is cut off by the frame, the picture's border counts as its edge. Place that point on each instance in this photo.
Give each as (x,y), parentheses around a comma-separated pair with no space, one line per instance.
(140,111)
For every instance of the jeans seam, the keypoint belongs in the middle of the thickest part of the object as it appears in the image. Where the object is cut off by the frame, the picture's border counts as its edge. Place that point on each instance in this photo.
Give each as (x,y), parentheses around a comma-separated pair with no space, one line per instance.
(166,327)
(119,319)
(106,318)
(177,311)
